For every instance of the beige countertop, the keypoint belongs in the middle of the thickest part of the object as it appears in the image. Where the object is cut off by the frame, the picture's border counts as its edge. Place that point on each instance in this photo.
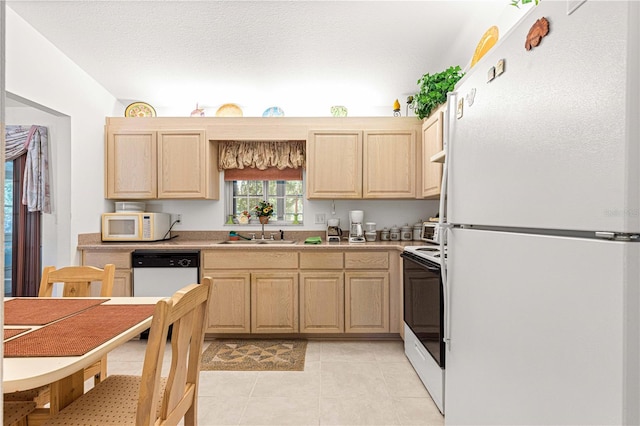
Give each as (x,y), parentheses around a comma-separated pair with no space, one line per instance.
(193,240)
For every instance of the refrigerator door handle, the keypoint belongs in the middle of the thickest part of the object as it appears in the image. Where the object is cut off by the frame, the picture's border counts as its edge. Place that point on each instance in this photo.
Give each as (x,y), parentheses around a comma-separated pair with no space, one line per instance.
(442,225)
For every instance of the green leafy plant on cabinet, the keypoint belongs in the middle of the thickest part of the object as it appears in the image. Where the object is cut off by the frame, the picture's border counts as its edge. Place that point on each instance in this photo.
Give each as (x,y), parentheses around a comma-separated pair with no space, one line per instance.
(516,3)
(434,89)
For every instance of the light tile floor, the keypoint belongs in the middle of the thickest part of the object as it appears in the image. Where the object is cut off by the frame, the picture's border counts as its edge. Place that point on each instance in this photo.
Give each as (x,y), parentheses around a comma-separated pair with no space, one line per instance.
(343,383)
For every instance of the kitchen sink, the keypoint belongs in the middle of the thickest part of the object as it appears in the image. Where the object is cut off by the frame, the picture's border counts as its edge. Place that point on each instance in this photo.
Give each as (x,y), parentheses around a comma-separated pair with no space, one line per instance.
(276,242)
(255,242)
(239,242)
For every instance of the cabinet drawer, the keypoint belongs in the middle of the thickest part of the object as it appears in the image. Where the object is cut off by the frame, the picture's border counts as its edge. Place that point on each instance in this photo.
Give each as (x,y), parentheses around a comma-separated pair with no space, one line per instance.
(321,260)
(366,260)
(250,259)
(122,259)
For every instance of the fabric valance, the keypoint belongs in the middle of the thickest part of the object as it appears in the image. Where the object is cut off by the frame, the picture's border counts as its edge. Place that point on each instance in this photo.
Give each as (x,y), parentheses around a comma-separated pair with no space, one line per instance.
(34,142)
(261,155)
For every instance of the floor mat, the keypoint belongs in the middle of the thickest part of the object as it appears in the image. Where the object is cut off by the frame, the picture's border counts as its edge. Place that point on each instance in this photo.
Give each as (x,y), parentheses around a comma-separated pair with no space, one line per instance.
(254,355)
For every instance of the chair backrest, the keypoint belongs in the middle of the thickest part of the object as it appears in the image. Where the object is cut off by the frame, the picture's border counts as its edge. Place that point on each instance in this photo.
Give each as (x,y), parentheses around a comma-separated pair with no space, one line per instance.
(77,280)
(186,310)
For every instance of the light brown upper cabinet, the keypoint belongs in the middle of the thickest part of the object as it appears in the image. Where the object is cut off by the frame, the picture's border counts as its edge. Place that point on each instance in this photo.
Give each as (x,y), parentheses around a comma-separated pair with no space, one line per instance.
(432,137)
(389,164)
(353,164)
(334,164)
(148,164)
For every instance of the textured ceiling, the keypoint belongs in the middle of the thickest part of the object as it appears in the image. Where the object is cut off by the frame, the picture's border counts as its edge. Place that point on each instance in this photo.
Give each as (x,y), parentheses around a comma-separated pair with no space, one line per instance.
(303,56)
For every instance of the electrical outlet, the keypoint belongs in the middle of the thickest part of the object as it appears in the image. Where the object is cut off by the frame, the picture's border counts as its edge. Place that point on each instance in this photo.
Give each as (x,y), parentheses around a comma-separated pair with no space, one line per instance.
(320,218)
(177,218)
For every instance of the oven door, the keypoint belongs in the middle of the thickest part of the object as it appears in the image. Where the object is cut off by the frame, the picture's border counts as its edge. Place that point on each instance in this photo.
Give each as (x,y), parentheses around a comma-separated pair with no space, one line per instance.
(424,303)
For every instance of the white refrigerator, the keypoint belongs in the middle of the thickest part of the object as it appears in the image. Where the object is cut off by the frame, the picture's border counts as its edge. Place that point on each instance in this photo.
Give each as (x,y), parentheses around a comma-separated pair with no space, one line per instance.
(543,189)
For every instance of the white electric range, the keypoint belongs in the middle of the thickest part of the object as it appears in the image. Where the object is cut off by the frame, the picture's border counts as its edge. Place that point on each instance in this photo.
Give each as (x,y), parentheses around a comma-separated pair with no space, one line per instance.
(423,293)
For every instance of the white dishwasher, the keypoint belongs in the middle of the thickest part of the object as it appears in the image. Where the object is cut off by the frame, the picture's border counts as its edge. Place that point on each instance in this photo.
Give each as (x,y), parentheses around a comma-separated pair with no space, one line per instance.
(163,272)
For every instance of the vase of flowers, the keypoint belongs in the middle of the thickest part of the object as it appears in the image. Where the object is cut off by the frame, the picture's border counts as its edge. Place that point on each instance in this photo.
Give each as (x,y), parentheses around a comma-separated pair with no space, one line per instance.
(263,211)
(243,218)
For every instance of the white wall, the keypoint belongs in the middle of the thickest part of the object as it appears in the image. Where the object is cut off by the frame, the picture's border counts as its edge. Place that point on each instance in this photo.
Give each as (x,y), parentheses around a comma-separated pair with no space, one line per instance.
(209,215)
(40,73)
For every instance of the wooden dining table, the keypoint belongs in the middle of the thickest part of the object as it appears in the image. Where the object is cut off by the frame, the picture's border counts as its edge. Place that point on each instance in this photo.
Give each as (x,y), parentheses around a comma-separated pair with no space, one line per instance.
(56,351)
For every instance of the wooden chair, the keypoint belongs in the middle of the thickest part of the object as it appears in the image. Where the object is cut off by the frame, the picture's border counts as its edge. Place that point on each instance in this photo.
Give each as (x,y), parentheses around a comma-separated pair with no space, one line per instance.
(76,281)
(150,399)
(14,413)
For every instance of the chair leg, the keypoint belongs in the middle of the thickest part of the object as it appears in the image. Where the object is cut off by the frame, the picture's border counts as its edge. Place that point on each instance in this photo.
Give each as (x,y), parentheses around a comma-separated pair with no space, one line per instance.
(103,371)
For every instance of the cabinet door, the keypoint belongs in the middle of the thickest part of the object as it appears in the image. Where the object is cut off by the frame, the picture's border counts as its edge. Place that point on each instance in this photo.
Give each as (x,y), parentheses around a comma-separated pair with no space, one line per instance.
(122,261)
(334,164)
(274,302)
(322,302)
(431,145)
(182,162)
(122,284)
(366,302)
(229,302)
(131,169)
(389,167)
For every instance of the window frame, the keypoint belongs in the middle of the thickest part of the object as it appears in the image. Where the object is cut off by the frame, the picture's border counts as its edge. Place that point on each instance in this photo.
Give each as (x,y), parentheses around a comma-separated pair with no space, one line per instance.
(280,204)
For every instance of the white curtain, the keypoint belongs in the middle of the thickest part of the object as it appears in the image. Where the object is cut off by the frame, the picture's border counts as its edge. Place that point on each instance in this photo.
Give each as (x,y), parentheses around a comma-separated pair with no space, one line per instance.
(34,141)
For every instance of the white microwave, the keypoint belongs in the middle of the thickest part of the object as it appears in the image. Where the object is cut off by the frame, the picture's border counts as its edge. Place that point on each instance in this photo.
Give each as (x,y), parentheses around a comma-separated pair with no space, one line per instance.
(132,226)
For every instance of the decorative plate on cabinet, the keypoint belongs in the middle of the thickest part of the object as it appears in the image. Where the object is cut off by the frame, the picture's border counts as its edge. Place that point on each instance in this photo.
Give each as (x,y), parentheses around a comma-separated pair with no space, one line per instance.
(139,109)
(339,111)
(273,112)
(229,110)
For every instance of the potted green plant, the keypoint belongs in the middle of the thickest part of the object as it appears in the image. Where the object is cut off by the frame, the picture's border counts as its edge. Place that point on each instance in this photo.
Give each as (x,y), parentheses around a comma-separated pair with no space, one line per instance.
(263,211)
(434,89)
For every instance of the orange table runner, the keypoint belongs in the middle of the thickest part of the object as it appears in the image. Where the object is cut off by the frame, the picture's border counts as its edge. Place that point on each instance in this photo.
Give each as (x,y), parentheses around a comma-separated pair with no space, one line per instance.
(10,332)
(43,310)
(78,334)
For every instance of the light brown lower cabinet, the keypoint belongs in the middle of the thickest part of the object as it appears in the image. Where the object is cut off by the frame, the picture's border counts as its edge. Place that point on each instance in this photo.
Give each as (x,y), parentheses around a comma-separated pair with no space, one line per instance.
(121,259)
(323,292)
(366,302)
(322,302)
(274,302)
(256,302)
(229,302)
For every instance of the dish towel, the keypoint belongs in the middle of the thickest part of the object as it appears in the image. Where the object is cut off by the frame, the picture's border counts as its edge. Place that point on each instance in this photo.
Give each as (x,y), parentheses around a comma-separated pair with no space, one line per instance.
(313,240)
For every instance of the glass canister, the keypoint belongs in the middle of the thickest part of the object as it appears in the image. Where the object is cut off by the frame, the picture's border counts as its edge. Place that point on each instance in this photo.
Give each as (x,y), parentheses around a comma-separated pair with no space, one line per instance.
(384,234)
(406,233)
(394,233)
(417,230)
